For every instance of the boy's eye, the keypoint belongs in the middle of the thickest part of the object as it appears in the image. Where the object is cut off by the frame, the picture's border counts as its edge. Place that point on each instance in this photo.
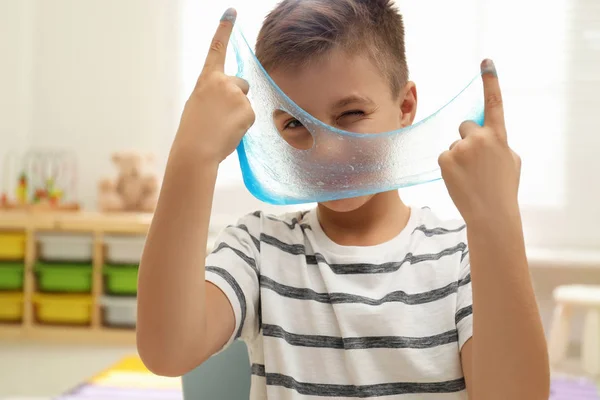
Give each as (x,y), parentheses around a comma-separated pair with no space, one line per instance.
(293,124)
(353,113)
(350,117)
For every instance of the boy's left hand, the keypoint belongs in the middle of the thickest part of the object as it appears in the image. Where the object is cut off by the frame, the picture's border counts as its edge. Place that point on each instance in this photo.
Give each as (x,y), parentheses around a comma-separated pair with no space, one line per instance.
(481,172)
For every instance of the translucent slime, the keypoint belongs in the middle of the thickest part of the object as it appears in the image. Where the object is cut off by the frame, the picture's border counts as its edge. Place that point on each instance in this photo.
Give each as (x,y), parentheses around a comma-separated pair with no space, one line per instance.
(340,164)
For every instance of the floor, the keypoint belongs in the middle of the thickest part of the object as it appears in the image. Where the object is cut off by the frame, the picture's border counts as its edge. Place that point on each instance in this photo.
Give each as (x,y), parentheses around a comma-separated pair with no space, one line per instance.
(44,371)
(30,371)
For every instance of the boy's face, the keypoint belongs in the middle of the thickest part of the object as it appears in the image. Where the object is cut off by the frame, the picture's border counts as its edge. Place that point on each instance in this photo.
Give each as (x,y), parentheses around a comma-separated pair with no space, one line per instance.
(347,92)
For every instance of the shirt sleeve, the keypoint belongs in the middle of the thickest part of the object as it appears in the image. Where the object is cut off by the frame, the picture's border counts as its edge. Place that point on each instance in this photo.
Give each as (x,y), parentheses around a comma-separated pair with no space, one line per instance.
(233,266)
(464,301)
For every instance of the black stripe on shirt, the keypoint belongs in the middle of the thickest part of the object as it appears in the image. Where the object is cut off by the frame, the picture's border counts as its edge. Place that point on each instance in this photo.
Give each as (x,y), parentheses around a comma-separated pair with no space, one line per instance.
(363,268)
(465,281)
(429,232)
(358,391)
(464,255)
(293,249)
(258,370)
(342,298)
(347,269)
(245,229)
(311,259)
(306,227)
(238,292)
(247,259)
(354,343)
(463,313)
(291,225)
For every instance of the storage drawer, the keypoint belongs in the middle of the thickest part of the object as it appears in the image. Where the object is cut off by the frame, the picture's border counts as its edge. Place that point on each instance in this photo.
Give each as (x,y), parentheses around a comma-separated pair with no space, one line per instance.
(65,247)
(11,276)
(124,249)
(11,307)
(12,246)
(121,280)
(63,277)
(119,311)
(63,309)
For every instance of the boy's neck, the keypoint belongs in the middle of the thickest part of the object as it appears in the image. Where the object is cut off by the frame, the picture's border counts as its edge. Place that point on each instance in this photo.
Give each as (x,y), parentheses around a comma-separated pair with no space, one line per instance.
(378,221)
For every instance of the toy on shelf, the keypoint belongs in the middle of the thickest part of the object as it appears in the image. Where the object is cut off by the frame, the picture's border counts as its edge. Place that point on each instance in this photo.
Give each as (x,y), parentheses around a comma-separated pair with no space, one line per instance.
(134,190)
(45,180)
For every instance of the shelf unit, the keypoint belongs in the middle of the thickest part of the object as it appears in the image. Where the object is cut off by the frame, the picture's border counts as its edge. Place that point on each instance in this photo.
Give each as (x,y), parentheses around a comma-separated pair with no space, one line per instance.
(96,224)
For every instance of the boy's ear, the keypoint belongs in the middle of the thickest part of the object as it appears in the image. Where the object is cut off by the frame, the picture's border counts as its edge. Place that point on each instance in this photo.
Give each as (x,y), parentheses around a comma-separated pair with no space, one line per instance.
(408,104)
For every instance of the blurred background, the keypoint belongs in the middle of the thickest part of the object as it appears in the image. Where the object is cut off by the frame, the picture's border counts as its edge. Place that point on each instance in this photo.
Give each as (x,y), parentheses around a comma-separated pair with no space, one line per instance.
(91,93)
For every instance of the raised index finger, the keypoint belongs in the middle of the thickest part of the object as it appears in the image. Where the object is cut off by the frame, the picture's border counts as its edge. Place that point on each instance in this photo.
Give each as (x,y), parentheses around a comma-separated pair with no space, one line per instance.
(494,108)
(215,60)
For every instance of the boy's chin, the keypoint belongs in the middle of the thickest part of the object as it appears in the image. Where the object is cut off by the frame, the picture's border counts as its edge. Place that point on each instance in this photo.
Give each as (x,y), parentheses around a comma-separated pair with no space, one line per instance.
(347,205)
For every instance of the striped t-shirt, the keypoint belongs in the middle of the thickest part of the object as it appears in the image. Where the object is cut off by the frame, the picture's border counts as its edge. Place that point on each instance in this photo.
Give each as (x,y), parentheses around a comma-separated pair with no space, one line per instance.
(323,320)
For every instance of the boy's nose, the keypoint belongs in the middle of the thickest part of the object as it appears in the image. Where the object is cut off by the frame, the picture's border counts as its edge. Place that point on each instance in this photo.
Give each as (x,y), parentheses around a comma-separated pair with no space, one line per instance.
(330,150)
(339,150)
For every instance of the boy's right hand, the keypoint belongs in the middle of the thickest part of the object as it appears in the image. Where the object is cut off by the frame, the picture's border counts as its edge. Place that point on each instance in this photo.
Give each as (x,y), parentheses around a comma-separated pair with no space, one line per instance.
(218,113)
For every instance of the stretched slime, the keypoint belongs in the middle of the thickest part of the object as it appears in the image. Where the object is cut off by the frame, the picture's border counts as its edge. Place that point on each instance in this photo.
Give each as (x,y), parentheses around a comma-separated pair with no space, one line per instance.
(340,164)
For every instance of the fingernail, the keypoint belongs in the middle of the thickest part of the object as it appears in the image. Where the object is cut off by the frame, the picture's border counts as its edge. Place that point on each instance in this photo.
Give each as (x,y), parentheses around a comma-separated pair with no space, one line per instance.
(229,15)
(488,67)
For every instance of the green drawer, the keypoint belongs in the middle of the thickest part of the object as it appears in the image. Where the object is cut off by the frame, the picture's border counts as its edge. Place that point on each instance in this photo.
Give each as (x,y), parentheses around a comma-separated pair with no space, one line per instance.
(11,276)
(121,280)
(64,277)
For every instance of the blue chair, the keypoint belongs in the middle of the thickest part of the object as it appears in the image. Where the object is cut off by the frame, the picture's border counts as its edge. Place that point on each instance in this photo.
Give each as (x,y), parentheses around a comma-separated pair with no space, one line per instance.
(225,376)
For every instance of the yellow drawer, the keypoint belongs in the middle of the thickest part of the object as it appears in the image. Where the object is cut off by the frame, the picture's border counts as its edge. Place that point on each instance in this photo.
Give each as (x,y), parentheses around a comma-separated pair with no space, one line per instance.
(63,309)
(12,246)
(11,307)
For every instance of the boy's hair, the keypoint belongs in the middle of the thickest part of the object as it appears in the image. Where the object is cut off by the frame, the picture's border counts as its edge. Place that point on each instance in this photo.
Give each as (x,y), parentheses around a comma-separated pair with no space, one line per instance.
(297,32)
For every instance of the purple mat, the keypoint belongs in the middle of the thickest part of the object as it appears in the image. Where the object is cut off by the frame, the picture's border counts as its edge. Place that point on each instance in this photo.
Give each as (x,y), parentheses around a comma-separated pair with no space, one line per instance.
(573,389)
(561,389)
(94,392)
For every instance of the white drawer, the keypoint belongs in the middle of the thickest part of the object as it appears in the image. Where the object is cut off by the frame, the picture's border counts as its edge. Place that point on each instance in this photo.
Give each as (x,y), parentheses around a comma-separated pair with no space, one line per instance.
(124,249)
(119,311)
(65,247)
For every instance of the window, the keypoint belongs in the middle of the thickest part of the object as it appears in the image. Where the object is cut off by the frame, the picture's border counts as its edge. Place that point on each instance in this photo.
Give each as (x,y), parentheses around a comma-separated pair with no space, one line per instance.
(529,49)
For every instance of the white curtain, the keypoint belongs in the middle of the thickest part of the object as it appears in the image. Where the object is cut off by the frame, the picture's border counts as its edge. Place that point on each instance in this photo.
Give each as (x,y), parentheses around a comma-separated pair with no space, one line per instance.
(548,59)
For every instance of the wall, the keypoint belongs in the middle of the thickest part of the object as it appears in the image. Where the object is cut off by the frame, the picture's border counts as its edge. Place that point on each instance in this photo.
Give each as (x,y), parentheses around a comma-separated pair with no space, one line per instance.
(97,76)
(16,38)
(575,225)
(547,279)
(89,76)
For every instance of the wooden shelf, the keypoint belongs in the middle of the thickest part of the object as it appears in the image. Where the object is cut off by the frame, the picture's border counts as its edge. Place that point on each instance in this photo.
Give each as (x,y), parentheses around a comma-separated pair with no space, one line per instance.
(126,223)
(11,332)
(96,224)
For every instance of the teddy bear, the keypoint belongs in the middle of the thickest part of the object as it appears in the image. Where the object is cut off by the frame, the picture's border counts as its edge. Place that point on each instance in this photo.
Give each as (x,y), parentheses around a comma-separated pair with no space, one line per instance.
(134,190)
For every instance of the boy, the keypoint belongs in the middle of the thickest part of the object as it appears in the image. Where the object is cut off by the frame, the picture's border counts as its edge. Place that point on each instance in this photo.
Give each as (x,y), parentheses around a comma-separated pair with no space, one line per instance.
(359,298)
